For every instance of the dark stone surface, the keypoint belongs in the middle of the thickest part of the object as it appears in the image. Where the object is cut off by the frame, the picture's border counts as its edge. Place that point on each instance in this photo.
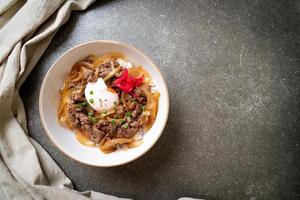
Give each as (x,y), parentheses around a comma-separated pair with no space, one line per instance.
(233,72)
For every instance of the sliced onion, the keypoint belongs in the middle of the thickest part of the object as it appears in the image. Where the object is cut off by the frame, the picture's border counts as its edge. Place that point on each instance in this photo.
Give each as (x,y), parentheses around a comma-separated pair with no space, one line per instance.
(84,139)
(112,73)
(62,108)
(151,106)
(109,112)
(139,72)
(75,77)
(93,58)
(118,121)
(107,58)
(135,143)
(113,142)
(86,65)
(105,149)
(124,96)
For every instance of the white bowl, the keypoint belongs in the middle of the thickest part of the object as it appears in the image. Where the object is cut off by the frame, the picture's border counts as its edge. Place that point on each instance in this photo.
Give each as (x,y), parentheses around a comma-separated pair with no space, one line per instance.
(63,138)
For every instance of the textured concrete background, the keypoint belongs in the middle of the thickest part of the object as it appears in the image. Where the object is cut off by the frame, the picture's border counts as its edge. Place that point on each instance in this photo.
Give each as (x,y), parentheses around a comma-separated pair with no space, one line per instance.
(232,69)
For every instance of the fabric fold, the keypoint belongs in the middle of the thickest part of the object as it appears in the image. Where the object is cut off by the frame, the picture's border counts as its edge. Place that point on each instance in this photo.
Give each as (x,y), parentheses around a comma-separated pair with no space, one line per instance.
(26,169)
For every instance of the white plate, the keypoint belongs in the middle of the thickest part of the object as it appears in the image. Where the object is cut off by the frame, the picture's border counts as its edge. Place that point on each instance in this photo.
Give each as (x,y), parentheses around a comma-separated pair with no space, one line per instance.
(63,138)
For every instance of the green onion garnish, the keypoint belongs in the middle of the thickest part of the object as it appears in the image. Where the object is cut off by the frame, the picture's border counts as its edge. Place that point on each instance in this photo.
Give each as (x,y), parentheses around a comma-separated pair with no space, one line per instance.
(143,107)
(128,114)
(113,122)
(93,119)
(91,101)
(82,104)
(91,92)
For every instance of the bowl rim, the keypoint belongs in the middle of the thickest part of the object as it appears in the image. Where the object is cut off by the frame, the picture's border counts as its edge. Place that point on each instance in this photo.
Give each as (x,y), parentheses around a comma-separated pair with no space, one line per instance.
(41,94)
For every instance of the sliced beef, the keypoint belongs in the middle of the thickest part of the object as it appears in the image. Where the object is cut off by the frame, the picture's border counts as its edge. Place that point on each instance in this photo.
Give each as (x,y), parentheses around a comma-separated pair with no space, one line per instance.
(106,65)
(108,129)
(131,105)
(104,72)
(72,112)
(141,100)
(87,73)
(90,59)
(95,134)
(130,102)
(126,132)
(139,92)
(78,97)
(94,76)
(74,84)
(74,123)
(101,123)
(73,109)
(83,118)
(137,111)
(134,124)
(87,65)
(140,96)
(105,128)
(120,111)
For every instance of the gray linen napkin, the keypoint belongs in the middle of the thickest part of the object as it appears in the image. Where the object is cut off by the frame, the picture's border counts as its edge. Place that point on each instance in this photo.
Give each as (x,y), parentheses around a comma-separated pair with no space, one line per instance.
(26,170)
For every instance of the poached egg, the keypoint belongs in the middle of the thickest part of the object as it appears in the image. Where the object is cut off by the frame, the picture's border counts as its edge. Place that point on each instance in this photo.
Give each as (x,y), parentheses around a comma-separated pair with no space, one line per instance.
(99,96)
